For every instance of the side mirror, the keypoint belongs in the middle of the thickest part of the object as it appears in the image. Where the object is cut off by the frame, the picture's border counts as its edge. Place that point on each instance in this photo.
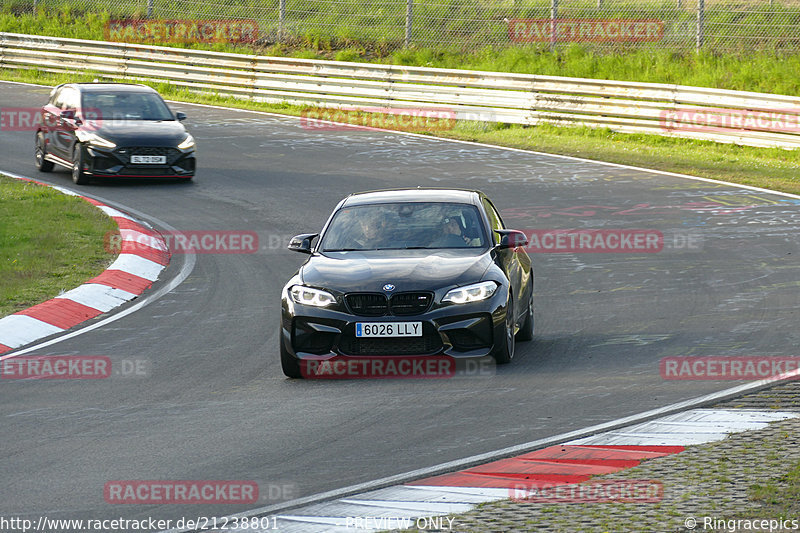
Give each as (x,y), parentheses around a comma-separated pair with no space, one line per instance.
(71,115)
(511,238)
(302,243)
(180,116)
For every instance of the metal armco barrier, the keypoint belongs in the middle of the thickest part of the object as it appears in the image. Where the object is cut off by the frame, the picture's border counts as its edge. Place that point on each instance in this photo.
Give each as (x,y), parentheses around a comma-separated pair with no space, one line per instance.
(747,118)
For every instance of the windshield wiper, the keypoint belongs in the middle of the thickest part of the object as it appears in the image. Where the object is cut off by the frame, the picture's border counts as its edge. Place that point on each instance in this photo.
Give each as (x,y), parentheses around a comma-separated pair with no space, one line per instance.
(344,249)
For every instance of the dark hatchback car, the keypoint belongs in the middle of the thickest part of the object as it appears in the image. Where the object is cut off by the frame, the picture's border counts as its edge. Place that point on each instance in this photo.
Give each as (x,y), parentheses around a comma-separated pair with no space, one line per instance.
(412,272)
(101,130)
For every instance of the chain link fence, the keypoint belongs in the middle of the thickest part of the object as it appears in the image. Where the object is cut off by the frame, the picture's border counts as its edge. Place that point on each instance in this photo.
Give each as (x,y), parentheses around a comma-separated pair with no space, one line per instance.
(714,25)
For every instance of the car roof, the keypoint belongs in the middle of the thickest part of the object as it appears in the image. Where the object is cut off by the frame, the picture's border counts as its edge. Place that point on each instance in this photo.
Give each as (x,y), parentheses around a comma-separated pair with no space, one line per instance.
(111,87)
(458,196)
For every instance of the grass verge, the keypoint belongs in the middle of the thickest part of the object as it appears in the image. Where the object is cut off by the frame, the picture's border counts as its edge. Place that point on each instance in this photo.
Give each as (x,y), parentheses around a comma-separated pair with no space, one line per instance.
(770,168)
(766,70)
(49,243)
(780,496)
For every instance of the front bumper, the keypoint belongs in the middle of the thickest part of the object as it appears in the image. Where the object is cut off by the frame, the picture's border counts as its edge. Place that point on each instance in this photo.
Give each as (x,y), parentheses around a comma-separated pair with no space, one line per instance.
(116,162)
(459,331)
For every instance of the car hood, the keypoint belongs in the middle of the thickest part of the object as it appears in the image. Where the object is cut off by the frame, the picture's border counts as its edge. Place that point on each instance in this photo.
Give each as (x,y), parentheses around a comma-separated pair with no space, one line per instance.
(142,132)
(407,270)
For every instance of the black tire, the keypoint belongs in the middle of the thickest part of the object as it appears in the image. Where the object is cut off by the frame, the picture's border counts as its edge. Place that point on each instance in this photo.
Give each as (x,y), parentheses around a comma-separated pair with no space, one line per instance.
(504,350)
(290,365)
(42,165)
(525,332)
(78,176)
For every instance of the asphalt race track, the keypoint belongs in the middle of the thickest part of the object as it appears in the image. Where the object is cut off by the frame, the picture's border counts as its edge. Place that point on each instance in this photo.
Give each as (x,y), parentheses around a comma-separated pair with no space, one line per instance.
(215,405)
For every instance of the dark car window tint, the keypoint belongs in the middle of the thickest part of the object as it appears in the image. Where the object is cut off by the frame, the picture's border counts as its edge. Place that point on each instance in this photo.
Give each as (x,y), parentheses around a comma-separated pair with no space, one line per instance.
(127,105)
(405,225)
(494,219)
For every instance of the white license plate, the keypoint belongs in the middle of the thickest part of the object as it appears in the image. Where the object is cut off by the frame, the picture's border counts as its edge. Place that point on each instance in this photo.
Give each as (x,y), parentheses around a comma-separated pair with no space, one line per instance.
(388,329)
(149,159)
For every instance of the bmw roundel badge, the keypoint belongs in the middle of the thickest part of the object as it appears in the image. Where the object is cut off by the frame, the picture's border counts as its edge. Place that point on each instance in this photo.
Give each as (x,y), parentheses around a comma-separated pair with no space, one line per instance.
(388,287)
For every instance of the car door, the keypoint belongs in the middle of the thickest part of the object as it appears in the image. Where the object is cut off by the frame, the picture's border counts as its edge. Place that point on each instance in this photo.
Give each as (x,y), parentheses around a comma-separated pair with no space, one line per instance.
(63,136)
(51,119)
(514,261)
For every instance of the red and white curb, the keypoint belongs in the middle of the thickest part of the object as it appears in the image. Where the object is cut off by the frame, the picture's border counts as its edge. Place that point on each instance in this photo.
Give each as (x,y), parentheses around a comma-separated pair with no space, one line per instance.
(143,255)
(425,503)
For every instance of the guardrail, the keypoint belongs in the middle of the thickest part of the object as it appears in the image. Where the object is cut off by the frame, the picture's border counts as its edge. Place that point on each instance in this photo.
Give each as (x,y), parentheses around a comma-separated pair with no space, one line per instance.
(748,118)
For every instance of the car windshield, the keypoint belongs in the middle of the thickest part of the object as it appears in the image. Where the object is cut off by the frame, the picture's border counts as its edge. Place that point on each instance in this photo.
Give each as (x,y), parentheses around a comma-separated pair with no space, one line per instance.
(406,225)
(126,105)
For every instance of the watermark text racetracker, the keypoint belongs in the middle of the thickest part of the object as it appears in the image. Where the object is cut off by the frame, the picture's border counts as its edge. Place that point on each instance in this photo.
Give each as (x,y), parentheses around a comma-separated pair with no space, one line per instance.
(711,120)
(726,367)
(180,492)
(183,242)
(585,30)
(600,491)
(389,118)
(624,241)
(182,31)
(32,118)
(395,367)
(50,367)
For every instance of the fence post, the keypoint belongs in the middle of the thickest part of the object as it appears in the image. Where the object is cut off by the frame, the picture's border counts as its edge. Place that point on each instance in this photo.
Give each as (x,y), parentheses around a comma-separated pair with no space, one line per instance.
(701,22)
(281,19)
(34,7)
(599,4)
(409,20)
(149,9)
(553,23)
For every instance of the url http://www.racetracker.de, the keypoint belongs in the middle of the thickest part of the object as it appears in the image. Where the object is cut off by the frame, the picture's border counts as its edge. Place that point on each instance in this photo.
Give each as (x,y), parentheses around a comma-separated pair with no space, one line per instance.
(56,525)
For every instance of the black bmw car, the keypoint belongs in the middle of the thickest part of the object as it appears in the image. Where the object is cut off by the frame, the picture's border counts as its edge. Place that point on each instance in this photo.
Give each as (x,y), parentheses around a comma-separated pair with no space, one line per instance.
(113,130)
(412,272)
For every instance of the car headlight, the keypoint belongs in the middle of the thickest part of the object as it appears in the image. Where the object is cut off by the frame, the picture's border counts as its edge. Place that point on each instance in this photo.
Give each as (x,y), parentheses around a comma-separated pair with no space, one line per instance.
(94,139)
(308,296)
(188,142)
(471,293)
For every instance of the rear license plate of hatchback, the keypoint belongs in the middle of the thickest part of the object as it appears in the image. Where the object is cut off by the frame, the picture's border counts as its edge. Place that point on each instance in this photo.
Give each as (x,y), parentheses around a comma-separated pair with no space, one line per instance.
(149,159)
(388,329)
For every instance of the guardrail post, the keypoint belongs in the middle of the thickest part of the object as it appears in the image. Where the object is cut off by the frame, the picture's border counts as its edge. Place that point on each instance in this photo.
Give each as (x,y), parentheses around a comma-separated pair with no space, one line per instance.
(553,23)
(409,20)
(701,23)
(281,20)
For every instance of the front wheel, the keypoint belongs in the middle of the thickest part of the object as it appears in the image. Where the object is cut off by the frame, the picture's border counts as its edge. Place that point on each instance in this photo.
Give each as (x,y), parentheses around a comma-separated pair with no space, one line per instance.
(525,332)
(504,349)
(42,164)
(78,176)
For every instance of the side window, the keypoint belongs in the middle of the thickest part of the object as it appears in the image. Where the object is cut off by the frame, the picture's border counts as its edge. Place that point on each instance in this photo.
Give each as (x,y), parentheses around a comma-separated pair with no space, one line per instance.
(57,98)
(70,99)
(494,219)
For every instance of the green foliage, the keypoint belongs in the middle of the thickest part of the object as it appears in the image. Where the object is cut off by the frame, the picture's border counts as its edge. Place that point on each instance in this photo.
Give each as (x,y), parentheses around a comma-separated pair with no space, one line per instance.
(49,243)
